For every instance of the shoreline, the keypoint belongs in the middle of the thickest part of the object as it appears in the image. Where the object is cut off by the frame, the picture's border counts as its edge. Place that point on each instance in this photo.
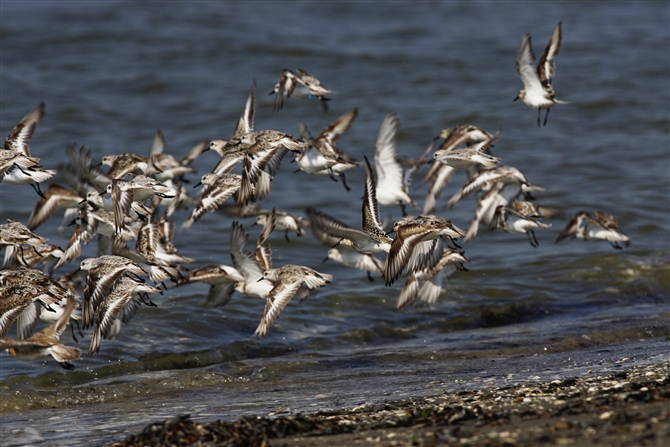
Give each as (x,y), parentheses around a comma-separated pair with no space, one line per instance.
(627,407)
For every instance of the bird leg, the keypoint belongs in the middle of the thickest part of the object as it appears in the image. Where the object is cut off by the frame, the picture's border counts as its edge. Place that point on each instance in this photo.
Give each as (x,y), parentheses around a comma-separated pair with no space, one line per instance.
(344,181)
(36,187)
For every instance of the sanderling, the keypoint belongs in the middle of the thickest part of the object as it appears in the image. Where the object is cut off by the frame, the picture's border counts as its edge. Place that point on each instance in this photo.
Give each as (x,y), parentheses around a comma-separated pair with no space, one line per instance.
(284,222)
(391,186)
(538,92)
(230,152)
(498,194)
(103,272)
(287,280)
(45,343)
(372,238)
(60,307)
(146,257)
(372,223)
(247,265)
(471,157)
(344,254)
(303,85)
(20,136)
(467,134)
(17,166)
(80,236)
(162,166)
(13,235)
(155,252)
(15,298)
(221,279)
(218,187)
(43,282)
(486,178)
(350,257)
(119,306)
(433,276)
(603,227)
(124,164)
(124,192)
(14,174)
(55,196)
(323,157)
(263,153)
(80,173)
(512,221)
(47,254)
(410,231)
(439,176)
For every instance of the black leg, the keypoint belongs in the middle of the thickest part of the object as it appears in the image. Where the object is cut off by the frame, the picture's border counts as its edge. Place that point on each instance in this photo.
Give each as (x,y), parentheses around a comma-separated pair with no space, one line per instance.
(344,181)
(22,257)
(286,236)
(324,103)
(539,112)
(36,187)
(545,117)
(79,328)
(74,337)
(46,306)
(370,278)
(135,277)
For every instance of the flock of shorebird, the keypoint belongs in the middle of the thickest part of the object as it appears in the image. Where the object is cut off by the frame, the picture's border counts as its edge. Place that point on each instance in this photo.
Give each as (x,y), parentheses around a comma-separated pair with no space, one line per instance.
(123,204)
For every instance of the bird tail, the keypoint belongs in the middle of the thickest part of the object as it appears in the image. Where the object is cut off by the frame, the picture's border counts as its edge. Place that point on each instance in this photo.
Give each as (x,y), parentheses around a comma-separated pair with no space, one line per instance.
(64,353)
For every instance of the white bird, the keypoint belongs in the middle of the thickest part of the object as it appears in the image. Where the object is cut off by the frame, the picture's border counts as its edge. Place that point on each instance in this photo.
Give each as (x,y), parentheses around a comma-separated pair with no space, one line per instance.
(512,221)
(287,280)
(603,227)
(538,92)
(391,185)
(303,85)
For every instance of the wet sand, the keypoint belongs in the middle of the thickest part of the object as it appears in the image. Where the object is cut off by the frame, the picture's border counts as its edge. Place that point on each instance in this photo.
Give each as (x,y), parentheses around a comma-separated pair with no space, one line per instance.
(629,407)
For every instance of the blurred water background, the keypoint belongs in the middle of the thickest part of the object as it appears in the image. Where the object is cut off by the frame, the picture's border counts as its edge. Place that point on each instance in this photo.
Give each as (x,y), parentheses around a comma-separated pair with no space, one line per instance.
(111,73)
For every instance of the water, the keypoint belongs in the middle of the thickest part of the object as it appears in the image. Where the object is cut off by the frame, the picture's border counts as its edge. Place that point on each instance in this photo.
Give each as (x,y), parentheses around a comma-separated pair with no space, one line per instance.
(111,74)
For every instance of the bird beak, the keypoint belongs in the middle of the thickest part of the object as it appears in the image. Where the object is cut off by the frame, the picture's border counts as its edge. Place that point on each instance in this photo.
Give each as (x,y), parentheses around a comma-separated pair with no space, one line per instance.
(197,184)
(83,201)
(325,259)
(515,99)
